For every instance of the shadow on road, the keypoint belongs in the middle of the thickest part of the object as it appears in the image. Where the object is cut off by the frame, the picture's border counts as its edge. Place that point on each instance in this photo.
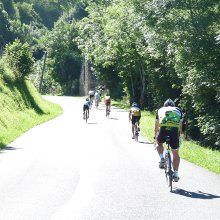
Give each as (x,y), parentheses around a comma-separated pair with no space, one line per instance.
(92,123)
(144,142)
(114,118)
(7,148)
(120,110)
(195,195)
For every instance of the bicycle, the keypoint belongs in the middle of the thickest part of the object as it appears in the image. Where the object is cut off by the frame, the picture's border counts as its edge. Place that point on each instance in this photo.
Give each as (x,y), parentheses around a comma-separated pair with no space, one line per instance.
(168,164)
(136,131)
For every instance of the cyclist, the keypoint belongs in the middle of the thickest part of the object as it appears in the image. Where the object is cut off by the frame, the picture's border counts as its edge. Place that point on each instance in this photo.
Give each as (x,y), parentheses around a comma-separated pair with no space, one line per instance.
(97,98)
(86,107)
(108,102)
(169,123)
(134,115)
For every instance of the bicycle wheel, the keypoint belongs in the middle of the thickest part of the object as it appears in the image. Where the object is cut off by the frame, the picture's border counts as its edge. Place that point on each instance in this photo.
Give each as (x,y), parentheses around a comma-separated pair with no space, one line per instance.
(136,133)
(107,112)
(168,170)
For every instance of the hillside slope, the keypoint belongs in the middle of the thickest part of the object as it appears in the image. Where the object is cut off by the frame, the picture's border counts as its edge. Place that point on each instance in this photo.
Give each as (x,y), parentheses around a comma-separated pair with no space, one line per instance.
(22,107)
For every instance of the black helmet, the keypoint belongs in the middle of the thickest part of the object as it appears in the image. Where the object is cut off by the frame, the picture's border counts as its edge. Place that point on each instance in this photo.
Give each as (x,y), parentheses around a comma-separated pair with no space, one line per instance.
(169,102)
(87,99)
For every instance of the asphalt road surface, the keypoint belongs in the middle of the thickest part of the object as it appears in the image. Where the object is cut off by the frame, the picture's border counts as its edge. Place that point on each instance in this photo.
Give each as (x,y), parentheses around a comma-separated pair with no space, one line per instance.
(66,169)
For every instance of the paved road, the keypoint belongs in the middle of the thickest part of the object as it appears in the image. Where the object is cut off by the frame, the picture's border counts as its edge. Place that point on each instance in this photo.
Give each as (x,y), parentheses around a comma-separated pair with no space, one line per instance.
(66,169)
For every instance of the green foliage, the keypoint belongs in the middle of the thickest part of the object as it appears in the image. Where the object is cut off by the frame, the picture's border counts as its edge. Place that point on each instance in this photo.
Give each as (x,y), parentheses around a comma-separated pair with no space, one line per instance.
(65,58)
(160,49)
(8,6)
(21,106)
(26,13)
(19,58)
(5,33)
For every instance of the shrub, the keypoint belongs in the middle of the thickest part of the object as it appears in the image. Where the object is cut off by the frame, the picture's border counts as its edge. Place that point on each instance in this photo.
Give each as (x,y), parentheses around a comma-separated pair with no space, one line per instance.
(19,58)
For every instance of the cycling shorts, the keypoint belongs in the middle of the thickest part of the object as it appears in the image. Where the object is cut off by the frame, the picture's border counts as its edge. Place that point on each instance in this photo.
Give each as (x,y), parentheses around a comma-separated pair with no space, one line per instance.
(107,102)
(174,136)
(134,119)
(85,107)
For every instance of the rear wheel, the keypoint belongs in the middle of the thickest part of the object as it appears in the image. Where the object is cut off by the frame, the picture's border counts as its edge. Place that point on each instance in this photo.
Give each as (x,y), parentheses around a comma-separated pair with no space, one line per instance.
(168,170)
(107,111)
(136,134)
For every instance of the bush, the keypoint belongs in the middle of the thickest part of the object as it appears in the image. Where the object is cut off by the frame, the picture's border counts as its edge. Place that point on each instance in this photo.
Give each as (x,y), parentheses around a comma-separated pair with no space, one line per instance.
(19,58)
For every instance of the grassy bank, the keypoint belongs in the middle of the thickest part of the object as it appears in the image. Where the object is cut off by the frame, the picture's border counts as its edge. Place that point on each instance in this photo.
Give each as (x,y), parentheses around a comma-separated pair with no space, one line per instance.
(21,108)
(190,150)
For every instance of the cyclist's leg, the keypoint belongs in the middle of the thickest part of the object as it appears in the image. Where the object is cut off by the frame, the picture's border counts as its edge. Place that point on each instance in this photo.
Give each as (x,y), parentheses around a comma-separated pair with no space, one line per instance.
(176,159)
(160,139)
(132,125)
(174,143)
(138,120)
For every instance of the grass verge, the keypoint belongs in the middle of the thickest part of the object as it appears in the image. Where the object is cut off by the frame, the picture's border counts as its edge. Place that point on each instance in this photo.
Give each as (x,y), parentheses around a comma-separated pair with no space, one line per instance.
(22,107)
(189,150)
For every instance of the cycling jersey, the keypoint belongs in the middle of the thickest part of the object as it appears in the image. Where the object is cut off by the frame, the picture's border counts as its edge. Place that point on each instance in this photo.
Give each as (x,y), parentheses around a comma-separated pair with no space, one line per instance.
(107,100)
(97,96)
(135,111)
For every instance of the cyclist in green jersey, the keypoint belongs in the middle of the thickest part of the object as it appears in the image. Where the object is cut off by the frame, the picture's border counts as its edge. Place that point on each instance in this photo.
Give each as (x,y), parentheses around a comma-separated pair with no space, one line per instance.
(169,123)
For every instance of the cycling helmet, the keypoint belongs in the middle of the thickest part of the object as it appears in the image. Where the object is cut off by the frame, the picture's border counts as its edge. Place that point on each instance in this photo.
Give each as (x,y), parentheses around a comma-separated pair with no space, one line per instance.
(87,99)
(134,104)
(169,102)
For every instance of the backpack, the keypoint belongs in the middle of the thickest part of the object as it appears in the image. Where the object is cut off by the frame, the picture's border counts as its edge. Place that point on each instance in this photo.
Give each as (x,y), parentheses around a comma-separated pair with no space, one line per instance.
(135,111)
(169,116)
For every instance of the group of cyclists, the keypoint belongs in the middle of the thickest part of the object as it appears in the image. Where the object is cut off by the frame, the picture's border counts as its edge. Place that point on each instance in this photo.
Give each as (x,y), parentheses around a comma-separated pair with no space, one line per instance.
(168,122)
(95,96)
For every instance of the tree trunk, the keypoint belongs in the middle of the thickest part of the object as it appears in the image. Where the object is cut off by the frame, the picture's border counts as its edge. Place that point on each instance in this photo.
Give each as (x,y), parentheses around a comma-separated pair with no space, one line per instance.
(132,85)
(143,83)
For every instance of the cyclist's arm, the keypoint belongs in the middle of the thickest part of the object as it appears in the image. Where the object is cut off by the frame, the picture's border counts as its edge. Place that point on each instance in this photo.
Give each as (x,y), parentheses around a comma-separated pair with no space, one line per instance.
(181,127)
(129,116)
(156,128)
(181,124)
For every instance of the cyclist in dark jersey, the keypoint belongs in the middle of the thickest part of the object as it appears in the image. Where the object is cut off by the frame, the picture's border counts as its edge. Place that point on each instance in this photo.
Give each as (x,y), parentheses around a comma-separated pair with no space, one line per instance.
(86,106)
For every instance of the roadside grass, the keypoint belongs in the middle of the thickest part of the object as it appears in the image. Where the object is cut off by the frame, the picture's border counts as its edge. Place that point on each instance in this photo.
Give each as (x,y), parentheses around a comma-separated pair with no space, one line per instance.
(189,150)
(22,108)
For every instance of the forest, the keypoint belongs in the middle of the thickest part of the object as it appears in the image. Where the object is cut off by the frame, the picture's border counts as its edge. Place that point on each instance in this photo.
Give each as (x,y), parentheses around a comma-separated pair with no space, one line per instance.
(149,50)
